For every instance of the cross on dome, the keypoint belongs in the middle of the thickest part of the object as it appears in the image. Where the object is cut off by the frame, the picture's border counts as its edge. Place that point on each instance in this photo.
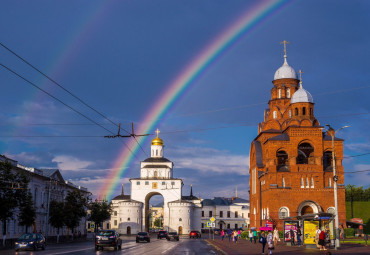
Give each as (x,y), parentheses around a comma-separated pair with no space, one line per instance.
(300,78)
(285,71)
(157,131)
(285,43)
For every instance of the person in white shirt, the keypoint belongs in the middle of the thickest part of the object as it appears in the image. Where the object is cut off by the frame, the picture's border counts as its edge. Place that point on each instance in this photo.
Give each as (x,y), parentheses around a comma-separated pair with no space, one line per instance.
(317,235)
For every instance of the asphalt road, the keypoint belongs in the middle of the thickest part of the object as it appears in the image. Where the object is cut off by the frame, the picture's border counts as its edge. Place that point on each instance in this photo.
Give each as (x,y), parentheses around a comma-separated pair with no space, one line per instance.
(129,246)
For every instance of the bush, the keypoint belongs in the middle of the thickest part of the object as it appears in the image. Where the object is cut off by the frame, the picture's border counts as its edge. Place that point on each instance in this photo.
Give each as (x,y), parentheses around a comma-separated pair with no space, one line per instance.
(349,232)
(245,234)
(281,234)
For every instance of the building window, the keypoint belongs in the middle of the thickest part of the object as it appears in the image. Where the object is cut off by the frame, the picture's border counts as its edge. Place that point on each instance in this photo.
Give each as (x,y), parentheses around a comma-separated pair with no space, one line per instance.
(288,93)
(221,214)
(283,212)
(236,226)
(312,183)
(202,213)
(155,174)
(228,214)
(228,225)
(302,183)
(283,182)
(180,219)
(328,160)
(296,111)
(108,226)
(307,186)
(115,213)
(236,214)
(267,213)
(304,111)
(305,153)
(128,219)
(202,225)
(274,114)
(329,181)
(282,160)
(172,183)
(210,214)
(137,183)
(331,210)
(163,183)
(115,222)
(290,113)
(279,92)
(146,183)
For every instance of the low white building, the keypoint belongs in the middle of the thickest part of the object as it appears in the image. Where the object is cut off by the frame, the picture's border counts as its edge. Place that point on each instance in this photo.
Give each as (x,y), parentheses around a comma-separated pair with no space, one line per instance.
(230,213)
(45,185)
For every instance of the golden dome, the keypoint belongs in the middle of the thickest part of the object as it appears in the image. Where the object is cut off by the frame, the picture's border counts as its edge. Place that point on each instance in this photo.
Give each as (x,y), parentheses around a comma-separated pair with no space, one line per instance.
(157,140)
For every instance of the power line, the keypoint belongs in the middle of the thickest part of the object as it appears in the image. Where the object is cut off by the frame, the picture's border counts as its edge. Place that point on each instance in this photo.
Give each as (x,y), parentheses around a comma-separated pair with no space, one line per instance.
(360,171)
(60,101)
(66,90)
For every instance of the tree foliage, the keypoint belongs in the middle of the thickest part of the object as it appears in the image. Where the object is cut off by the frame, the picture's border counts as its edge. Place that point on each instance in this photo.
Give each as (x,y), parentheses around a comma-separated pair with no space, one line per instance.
(100,212)
(56,214)
(357,193)
(158,222)
(27,211)
(74,208)
(13,189)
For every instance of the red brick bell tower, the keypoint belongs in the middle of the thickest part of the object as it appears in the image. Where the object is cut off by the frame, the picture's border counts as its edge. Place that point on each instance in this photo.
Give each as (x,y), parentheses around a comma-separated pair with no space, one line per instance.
(291,169)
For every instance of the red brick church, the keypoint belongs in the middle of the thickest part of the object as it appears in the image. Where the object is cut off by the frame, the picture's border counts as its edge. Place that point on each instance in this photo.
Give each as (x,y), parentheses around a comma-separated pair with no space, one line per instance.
(291,169)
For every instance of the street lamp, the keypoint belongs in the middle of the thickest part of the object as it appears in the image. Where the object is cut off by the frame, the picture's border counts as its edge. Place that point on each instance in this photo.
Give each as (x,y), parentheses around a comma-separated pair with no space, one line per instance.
(332,132)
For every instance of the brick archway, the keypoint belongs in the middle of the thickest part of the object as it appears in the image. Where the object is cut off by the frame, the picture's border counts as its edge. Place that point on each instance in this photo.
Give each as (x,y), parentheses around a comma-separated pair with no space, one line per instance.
(308,207)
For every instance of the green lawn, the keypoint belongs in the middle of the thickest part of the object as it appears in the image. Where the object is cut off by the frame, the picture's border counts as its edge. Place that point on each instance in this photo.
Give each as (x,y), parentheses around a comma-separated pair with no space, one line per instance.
(360,210)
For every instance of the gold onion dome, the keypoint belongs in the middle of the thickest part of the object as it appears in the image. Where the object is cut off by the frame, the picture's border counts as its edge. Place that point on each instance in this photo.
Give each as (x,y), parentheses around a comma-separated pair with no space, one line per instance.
(157,140)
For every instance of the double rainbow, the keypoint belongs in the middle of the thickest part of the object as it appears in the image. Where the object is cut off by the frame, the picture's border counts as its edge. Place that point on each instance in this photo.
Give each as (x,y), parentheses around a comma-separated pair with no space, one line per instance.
(249,20)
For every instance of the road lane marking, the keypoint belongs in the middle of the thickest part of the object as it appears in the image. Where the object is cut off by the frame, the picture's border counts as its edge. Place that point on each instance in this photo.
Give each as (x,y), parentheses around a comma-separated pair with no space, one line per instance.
(70,251)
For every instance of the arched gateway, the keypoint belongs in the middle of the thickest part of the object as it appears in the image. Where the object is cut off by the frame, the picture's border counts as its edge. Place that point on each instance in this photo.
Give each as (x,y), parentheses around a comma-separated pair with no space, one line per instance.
(156,178)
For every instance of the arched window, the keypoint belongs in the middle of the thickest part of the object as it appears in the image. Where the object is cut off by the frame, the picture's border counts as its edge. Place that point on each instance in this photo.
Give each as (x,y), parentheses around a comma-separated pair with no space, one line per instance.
(302,183)
(305,151)
(311,111)
(180,219)
(279,91)
(283,182)
(274,114)
(155,174)
(304,111)
(282,161)
(296,111)
(288,93)
(283,212)
(331,210)
(327,161)
(312,183)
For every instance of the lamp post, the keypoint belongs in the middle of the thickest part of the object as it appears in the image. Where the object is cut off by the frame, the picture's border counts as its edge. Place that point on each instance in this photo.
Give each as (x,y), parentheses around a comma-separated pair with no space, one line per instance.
(332,132)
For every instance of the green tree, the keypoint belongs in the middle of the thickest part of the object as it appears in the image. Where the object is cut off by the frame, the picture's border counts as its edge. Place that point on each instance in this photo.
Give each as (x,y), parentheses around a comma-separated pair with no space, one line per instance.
(158,222)
(100,212)
(57,216)
(13,187)
(74,209)
(27,211)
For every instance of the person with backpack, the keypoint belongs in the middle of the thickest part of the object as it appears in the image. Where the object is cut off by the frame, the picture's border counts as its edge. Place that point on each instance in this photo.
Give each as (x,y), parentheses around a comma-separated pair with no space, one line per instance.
(270,242)
(262,240)
(299,234)
(254,235)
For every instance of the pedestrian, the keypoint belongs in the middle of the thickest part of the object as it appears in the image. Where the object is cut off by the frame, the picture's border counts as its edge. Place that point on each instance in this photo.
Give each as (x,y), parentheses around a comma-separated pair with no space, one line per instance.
(250,235)
(239,234)
(342,233)
(276,236)
(317,235)
(235,236)
(322,237)
(262,240)
(254,235)
(292,243)
(299,234)
(222,234)
(270,242)
(229,232)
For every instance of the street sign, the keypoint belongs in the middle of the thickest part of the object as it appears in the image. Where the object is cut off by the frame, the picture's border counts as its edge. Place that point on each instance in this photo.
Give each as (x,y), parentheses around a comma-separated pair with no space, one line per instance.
(213,225)
(209,224)
(212,219)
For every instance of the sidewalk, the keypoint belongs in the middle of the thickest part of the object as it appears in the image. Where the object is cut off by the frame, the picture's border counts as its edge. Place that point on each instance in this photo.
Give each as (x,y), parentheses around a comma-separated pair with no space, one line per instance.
(245,247)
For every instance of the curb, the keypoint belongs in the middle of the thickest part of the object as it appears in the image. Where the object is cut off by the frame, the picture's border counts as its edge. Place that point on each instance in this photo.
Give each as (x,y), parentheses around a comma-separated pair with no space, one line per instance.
(217,248)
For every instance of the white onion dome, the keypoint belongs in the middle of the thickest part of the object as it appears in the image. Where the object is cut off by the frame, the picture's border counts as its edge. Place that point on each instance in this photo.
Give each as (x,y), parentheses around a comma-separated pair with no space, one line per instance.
(301,96)
(285,71)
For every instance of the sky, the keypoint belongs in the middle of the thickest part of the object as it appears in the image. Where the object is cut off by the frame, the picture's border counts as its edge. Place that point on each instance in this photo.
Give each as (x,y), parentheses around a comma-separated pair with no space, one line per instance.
(120,57)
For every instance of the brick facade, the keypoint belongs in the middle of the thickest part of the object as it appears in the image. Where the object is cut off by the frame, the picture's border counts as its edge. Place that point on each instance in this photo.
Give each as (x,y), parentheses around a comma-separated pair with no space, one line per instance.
(290,161)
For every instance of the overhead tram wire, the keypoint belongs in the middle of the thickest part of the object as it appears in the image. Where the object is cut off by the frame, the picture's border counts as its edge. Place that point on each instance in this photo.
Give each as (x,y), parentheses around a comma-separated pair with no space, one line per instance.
(60,101)
(66,90)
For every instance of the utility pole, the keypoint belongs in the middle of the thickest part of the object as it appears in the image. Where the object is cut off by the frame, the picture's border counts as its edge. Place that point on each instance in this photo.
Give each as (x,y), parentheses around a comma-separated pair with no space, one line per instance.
(332,132)
(351,203)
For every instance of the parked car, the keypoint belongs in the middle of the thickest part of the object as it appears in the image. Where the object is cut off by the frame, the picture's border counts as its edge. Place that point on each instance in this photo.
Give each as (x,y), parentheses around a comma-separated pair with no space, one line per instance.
(142,236)
(108,238)
(162,234)
(172,235)
(30,241)
(195,234)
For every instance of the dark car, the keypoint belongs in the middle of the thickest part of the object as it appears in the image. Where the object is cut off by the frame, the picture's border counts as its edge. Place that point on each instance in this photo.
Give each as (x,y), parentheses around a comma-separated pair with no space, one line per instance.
(172,235)
(107,238)
(142,236)
(162,234)
(195,234)
(30,241)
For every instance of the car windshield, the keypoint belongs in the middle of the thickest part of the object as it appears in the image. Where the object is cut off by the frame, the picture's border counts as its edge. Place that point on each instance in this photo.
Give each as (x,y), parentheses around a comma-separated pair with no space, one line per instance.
(142,233)
(28,236)
(105,233)
(172,233)
(162,232)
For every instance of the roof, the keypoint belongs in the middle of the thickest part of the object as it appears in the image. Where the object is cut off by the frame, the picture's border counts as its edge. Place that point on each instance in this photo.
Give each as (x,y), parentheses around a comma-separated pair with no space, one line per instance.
(223,201)
(285,71)
(156,160)
(240,200)
(258,149)
(328,138)
(189,198)
(301,96)
(155,166)
(122,197)
(282,137)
